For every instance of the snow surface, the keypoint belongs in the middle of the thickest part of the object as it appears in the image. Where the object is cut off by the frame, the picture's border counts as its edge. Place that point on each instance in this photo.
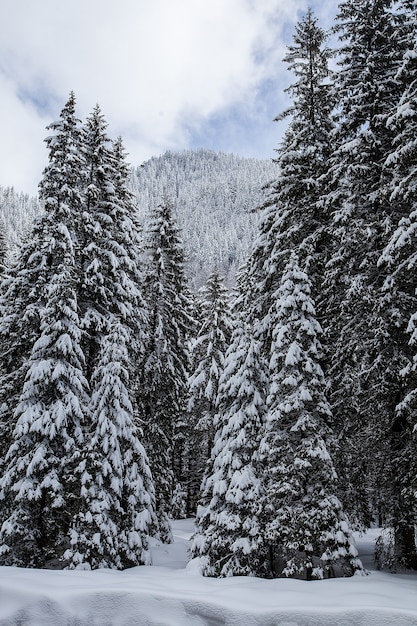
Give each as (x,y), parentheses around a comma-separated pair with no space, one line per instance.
(172,592)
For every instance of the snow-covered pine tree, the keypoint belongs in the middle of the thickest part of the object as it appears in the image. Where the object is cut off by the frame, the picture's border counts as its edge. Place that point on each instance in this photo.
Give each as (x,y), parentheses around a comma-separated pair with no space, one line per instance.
(111,249)
(42,364)
(162,376)
(207,359)
(23,289)
(303,522)
(292,221)
(39,490)
(116,516)
(75,287)
(364,324)
(293,217)
(398,262)
(98,289)
(229,535)
(116,512)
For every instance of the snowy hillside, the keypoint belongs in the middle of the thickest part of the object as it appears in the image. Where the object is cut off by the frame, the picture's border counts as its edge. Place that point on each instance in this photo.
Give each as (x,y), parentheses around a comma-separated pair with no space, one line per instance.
(173,593)
(17,211)
(214,195)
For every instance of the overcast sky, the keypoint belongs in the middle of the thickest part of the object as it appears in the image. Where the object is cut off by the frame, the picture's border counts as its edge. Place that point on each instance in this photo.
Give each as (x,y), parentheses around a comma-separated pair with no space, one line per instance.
(167,74)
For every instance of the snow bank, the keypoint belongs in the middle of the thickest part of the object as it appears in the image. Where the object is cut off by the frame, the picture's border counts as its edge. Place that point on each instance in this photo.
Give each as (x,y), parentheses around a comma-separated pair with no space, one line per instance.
(170,593)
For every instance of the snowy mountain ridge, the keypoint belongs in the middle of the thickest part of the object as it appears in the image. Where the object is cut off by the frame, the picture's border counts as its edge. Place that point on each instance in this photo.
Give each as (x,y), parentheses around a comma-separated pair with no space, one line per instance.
(214,194)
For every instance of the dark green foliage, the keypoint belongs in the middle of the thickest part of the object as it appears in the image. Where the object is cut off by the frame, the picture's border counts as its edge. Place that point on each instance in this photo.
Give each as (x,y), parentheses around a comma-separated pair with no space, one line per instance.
(163,372)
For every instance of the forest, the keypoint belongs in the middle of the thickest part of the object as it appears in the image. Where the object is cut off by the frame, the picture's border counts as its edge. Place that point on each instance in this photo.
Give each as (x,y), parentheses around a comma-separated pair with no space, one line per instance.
(280,413)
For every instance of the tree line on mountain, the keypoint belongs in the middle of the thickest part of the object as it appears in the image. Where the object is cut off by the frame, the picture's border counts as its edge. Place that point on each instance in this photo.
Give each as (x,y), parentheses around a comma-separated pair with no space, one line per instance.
(213,196)
(283,417)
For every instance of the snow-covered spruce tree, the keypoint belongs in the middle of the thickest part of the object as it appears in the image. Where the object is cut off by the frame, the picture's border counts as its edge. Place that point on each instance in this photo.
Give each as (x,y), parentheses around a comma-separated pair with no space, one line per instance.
(293,217)
(38,490)
(80,266)
(207,359)
(302,519)
(365,323)
(117,515)
(22,294)
(110,245)
(399,261)
(292,220)
(42,363)
(229,536)
(162,375)
(116,512)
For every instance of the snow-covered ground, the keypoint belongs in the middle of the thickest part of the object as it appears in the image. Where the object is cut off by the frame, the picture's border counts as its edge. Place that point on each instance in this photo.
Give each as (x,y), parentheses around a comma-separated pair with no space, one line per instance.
(173,593)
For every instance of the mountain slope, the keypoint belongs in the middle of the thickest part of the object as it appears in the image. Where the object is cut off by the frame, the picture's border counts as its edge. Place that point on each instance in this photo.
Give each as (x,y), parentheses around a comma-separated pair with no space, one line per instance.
(214,195)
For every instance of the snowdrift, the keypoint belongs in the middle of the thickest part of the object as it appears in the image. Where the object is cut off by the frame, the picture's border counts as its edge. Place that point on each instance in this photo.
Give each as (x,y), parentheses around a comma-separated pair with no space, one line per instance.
(173,593)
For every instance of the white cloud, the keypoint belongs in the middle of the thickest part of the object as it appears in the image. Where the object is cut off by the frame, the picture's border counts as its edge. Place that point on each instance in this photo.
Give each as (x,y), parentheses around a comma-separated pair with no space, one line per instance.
(158,68)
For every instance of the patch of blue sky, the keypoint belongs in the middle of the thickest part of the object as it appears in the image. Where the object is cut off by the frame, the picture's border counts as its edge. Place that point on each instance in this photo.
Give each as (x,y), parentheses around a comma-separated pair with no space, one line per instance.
(246,128)
(39,97)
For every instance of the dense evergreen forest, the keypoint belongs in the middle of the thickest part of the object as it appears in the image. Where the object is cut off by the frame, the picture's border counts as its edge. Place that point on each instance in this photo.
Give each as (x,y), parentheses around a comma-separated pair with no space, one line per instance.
(213,196)
(281,414)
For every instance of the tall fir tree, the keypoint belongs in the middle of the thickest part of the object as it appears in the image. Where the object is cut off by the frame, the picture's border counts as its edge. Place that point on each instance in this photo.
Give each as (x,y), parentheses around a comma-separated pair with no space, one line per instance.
(398,261)
(23,291)
(75,293)
(42,364)
(163,374)
(109,250)
(305,528)
(207,360)
(293,216)
(293,220)
(229,535)
(38,488)
(121,506)
(366,322)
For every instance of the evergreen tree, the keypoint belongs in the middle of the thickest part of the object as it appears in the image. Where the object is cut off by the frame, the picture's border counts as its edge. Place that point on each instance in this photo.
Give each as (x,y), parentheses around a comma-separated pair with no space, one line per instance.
(305,527)
(229,534)
(293,217)
(163,373)
(42,364)
(116,515)
(366,322)
(110,255)
(78,285)
(117,491)
(23,290)
(207,360)
(292,220)
(38,490)
(397,261)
